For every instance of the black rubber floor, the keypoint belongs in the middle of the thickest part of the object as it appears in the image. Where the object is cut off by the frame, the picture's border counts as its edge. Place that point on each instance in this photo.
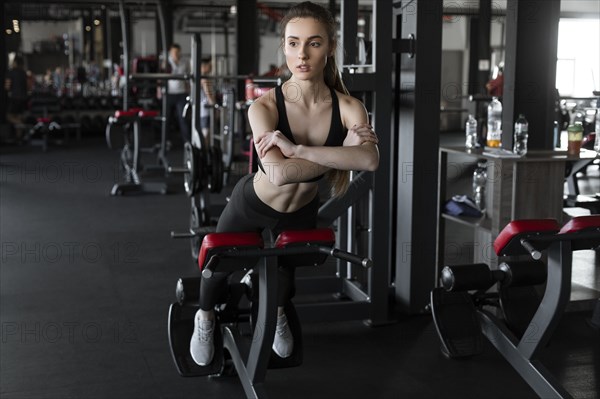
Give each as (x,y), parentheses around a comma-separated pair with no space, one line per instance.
(86,280)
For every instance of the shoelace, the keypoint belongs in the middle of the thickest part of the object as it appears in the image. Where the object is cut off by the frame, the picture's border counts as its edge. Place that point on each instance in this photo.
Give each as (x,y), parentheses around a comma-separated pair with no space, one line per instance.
(281,327)
(205,334)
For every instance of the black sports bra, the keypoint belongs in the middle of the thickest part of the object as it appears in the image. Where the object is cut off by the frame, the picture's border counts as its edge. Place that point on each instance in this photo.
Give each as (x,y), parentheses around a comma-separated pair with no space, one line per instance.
(337,132)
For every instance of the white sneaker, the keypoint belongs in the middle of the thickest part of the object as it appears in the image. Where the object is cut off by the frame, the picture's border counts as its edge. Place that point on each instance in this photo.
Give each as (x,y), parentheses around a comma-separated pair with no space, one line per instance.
(202,347)
(283,344)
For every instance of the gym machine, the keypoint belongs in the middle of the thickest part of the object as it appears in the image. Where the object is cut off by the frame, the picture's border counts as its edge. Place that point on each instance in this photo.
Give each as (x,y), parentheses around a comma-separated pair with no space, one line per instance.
(461,306)
(125,127)
(203,167)
(130,151)
(245,323)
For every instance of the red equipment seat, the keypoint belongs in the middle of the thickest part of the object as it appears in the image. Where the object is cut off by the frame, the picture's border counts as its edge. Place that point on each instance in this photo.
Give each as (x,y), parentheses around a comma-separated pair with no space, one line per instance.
(129,114)
(584,231)
(215,243)
(508,241)
(148,113)
(295,238)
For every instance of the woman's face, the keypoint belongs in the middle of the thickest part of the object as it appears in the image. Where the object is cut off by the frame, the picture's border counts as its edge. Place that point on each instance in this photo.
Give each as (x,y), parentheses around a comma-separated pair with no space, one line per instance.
(306,47)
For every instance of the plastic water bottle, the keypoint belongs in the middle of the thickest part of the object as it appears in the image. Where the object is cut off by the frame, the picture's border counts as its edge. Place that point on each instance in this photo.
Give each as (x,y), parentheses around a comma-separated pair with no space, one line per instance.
(520,136)
(362,49)
(494,123)
(479,182)
(471,133)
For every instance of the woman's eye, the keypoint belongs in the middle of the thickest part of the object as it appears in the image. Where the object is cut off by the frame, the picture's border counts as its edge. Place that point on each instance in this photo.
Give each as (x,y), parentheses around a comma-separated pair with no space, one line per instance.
(292,44)
(315,44)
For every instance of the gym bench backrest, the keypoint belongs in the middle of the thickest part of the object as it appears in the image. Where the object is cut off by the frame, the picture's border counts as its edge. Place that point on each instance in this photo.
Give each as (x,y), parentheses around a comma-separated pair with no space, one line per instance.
(582,231)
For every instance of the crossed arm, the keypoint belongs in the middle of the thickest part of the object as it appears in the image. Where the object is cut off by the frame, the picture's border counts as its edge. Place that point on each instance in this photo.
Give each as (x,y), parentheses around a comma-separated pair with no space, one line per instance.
(286,163)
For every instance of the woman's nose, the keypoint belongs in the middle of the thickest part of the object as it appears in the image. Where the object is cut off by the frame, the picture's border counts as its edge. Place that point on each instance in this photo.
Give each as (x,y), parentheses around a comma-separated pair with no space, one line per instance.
(302,53)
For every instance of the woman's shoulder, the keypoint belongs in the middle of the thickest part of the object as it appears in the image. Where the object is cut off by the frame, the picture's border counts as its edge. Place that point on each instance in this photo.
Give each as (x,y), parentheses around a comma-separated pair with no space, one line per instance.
(348,103)
(264,106)
(266,102)
(347,100)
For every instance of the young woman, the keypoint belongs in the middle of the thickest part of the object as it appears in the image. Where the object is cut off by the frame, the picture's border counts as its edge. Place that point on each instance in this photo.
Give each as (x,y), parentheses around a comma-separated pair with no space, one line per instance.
(303,130)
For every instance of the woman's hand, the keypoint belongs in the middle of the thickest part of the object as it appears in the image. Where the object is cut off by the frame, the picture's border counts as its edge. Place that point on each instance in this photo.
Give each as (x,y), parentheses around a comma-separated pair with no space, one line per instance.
(268,140)
(360,134)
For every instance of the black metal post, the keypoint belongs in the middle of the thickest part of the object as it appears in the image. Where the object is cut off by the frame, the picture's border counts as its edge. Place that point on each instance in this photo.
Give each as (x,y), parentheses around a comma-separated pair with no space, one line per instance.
(3,69)
(530,70)
(350,16)
(418,146)
(125,29)
(247,40)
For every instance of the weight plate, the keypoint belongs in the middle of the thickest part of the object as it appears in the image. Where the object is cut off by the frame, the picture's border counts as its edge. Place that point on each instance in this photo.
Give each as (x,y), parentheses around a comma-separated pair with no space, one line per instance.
(189,162)
(108,134)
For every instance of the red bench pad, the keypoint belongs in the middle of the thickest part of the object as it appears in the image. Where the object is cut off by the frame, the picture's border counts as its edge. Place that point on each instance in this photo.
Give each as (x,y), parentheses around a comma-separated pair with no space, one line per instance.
(43,120)
(130,113)
(518,227)
(148,113)
(294,238)
(290,237)
(579,223)
(217,242)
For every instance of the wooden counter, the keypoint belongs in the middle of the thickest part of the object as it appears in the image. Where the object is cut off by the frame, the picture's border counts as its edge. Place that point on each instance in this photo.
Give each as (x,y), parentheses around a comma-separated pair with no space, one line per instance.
(525,187)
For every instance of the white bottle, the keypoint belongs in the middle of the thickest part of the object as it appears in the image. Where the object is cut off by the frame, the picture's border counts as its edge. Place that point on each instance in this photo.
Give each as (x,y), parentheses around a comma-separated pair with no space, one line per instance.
(471,133)
(494,123)
(362,49)
(520,136)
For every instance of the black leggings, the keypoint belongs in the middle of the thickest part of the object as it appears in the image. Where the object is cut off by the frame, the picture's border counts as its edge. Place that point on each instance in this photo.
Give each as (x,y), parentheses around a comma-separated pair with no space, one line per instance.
(246,212)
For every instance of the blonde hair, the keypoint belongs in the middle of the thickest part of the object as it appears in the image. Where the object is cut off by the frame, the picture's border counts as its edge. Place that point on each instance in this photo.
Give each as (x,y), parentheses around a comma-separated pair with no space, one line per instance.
(339,179)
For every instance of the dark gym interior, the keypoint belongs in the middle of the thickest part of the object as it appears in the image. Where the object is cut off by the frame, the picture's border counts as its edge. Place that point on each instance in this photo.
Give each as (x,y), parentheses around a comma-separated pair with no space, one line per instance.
(480,273)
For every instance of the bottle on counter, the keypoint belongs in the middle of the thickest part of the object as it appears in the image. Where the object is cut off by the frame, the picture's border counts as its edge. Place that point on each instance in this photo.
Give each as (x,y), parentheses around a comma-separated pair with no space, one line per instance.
(575,136)
(520,136)
(471,133)
(494,123)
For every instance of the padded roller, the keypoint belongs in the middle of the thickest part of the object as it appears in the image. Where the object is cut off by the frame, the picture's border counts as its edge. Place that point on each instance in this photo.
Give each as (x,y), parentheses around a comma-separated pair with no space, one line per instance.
(476,276)
(524,273)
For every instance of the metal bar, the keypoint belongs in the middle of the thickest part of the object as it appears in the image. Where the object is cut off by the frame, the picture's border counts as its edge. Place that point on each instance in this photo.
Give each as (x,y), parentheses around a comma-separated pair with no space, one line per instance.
(384,179)
(532,371)
(264,330)
(3,70)
(197,138)
(530,91)
(354,292)
(370,243)
(351,227)
(441,227)
(349,28)
(125,33)
(556,297)
(136,144)
(230,344)
(160,76)
(417,190)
